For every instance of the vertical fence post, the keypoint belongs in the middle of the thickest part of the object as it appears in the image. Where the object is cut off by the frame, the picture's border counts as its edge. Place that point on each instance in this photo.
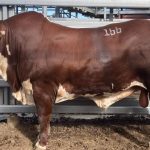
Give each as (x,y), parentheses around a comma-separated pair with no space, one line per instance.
(111,14)
(23,8)
(105,13)
(44,11)
(1,96)
(5,96)
(1,17)
(4,12)
(57,12)
(11,11)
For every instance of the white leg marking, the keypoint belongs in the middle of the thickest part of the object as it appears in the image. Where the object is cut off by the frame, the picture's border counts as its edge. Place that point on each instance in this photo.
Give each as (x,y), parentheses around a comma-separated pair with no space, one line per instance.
(37,145)
(49,130)
(3,67)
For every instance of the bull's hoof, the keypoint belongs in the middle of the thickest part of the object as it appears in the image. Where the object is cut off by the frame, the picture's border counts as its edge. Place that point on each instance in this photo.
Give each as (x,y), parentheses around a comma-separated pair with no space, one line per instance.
(39,147)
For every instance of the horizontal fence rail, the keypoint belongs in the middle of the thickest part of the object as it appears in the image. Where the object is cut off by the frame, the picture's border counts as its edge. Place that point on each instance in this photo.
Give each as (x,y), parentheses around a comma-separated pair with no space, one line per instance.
(84,23)
(85,3)
(62,109)
(67,108)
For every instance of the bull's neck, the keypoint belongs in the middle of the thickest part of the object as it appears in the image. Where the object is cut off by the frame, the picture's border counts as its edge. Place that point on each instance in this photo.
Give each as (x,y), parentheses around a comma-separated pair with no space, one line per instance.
(4,41)
(5,53)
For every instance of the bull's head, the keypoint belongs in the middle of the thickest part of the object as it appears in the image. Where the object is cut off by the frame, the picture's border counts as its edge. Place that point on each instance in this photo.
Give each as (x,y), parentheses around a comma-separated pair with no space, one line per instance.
(2,32)
(3,59)
(2,29)
(2,35)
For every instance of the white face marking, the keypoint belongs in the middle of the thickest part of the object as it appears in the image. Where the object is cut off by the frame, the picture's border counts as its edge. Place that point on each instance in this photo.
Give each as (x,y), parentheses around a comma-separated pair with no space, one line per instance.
(3,67)
(8,50)
(111,32)
(25,95)
(2,32)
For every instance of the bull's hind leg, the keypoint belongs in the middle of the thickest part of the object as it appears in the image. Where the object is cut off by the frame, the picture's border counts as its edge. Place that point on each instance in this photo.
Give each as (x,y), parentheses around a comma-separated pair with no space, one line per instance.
(44,94)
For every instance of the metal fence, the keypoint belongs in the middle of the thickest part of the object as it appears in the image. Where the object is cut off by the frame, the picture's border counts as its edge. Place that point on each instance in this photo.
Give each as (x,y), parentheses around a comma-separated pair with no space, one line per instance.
(127,106)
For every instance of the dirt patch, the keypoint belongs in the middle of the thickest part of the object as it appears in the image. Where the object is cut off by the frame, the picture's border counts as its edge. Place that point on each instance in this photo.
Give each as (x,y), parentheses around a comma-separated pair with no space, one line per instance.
(100,134)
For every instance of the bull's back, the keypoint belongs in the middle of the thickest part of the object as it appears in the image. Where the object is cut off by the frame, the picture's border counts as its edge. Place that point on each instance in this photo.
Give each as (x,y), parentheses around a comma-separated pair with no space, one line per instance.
(64,53)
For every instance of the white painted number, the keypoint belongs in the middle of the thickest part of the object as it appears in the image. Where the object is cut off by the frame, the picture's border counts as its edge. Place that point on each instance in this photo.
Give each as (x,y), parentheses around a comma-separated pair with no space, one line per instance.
(111,32)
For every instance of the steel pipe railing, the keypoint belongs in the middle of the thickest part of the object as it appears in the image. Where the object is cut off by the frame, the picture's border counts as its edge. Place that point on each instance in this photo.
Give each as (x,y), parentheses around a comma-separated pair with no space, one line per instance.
(85,3)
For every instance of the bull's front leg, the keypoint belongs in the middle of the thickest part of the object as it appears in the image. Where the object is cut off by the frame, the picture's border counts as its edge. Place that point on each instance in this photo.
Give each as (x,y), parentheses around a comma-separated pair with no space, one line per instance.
(43,94)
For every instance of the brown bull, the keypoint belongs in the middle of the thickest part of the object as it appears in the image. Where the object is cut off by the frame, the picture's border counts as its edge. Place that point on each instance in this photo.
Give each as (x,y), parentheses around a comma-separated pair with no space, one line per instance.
(51,63)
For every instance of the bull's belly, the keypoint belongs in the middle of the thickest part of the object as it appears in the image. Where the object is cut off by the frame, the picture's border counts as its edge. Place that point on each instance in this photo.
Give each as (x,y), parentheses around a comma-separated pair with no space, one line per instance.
(64,95)
(25,95)
(100,99)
